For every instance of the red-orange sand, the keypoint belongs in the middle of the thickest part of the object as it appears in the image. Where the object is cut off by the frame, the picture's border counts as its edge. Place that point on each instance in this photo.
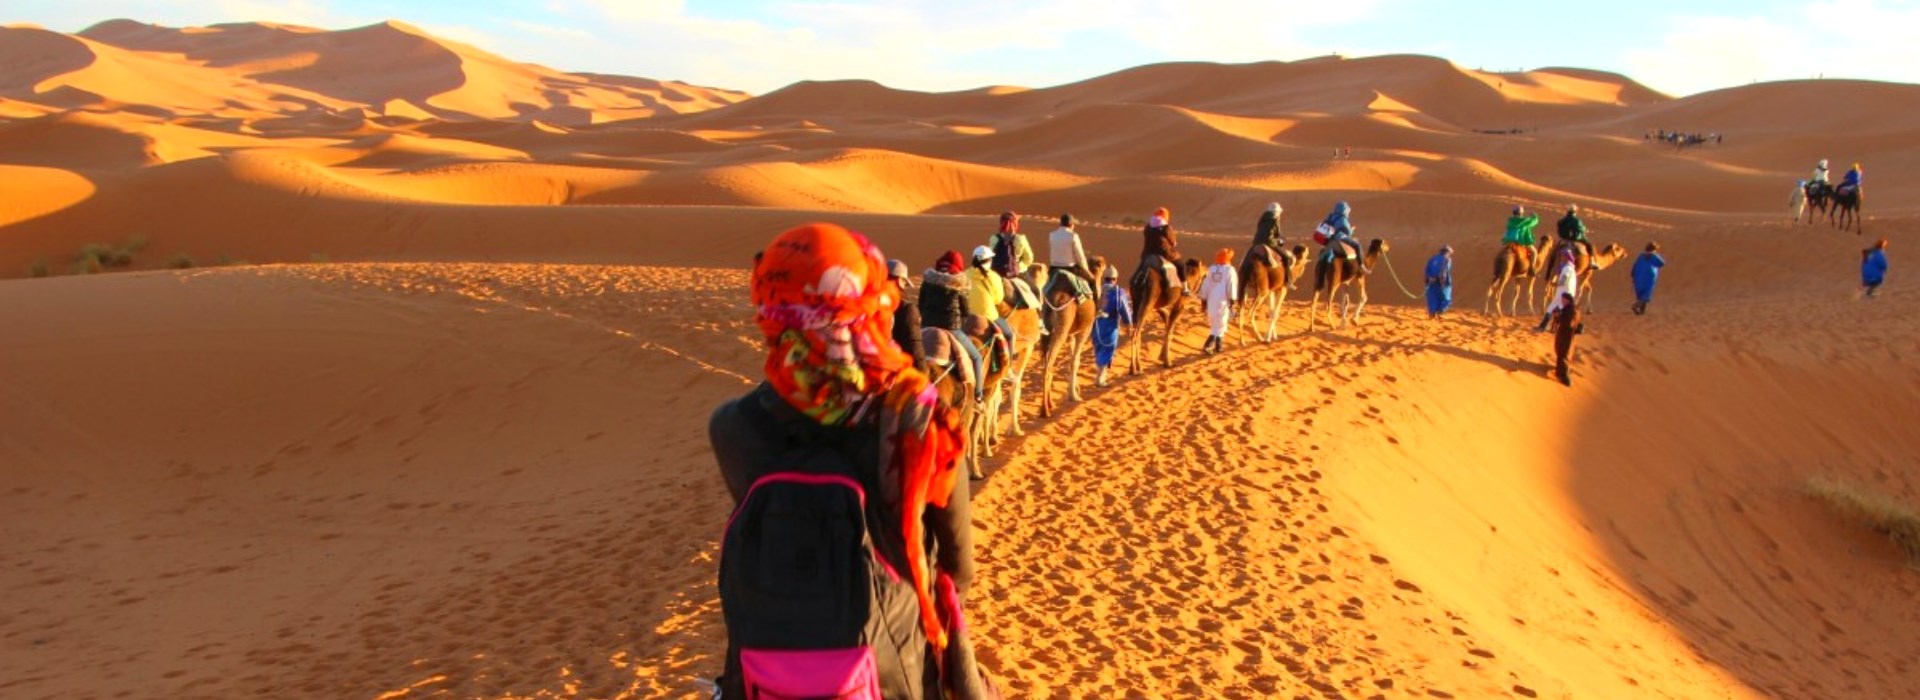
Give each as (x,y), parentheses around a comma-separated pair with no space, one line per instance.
(464,455)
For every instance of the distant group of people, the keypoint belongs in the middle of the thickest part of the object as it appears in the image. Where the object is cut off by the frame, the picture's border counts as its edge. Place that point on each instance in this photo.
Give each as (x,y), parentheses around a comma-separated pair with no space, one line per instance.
(1682,140)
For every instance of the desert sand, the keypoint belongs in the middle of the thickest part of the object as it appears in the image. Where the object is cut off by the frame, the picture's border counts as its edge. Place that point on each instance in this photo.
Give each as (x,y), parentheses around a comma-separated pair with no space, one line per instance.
(444,438)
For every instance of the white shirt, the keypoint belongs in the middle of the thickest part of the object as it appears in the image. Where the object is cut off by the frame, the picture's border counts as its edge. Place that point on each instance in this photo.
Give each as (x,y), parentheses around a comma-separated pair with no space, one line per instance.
(1568,280)
(1222,284)
(1063,249)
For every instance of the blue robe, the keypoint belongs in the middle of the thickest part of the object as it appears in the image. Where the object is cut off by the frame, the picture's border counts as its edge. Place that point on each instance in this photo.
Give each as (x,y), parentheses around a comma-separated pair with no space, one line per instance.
(1115,308)
(1873,269)
(1439,284)
(1646,272)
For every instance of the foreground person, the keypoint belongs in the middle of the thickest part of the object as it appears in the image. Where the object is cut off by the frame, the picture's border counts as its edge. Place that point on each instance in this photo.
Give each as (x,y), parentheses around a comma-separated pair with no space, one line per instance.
(850,547)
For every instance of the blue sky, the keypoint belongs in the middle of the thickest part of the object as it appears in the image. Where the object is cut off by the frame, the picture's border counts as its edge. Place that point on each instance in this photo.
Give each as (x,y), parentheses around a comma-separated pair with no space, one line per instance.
(760,45)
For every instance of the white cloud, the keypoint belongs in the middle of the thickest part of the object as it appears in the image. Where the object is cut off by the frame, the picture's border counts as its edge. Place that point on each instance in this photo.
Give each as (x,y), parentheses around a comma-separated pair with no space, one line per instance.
(1870,39)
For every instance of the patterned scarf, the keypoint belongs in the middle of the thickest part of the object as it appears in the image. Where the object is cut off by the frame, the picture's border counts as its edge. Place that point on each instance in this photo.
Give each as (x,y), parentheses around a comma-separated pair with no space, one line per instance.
(825,305)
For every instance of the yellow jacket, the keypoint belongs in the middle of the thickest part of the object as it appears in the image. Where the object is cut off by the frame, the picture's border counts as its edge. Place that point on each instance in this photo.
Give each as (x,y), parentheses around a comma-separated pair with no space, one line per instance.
(986,290)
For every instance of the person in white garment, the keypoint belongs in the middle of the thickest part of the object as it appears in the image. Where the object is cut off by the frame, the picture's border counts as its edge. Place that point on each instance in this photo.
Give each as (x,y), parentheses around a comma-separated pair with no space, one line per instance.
(1218,292)
(1566,281)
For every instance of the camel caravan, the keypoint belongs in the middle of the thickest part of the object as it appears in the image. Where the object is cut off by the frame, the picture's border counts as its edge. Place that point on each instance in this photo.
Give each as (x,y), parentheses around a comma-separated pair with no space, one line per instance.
(981,322)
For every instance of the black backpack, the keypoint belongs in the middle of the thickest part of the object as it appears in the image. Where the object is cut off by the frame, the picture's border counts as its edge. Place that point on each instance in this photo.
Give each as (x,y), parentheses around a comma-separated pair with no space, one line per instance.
(1004,255)
(814,607)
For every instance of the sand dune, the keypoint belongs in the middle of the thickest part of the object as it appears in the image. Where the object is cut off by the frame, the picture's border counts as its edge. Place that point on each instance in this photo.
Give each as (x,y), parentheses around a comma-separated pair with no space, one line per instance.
(466,457)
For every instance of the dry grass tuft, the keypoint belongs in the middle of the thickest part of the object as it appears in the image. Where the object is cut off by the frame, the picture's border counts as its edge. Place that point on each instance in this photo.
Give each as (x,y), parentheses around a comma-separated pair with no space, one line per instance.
(1887,516)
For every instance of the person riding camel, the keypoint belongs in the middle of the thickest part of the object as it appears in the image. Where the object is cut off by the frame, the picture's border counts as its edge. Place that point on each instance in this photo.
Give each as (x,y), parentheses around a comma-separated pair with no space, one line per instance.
(1819,178)
(1519,234)
(1163,247)
(836,395)
(1065,254)
(1013,256)
(1266,236)
(1849,182)
(1337,229)
(943,304)
(906,317)
(986,291)
(1573,231)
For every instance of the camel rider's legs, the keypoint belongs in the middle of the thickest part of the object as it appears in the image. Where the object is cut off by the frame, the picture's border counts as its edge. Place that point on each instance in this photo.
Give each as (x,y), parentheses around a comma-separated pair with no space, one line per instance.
(979,362)
(1006,330)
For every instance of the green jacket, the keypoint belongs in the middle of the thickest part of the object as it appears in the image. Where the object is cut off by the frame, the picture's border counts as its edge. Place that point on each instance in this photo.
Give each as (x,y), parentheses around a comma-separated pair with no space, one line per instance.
(1520,229)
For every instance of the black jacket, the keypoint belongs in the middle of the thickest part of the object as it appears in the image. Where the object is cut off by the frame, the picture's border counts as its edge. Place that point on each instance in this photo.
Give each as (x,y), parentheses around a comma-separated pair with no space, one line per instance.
(1571,228)
(943,300)
(1267,232)
(906,333)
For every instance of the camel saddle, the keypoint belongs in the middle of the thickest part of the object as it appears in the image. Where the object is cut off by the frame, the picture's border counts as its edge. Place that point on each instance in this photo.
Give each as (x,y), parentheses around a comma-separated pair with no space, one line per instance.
(943,352)
(1525,254)
(1021,294)
(1081,290)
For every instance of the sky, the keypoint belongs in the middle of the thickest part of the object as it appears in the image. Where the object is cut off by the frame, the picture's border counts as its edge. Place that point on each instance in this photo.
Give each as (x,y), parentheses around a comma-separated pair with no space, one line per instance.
(1680,47)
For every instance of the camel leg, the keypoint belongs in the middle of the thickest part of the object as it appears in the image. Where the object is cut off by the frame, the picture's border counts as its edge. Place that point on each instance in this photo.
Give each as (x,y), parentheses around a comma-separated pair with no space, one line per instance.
(1273,315)
(1018,380)
(1073,370)
(1046,373)
(1313,310)
(1166,341)
(1362,306)
(1493,299)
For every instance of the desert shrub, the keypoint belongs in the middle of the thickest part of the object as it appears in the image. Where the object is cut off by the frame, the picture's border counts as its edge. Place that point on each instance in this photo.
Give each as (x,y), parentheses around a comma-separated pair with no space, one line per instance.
(180,262)
(39,268)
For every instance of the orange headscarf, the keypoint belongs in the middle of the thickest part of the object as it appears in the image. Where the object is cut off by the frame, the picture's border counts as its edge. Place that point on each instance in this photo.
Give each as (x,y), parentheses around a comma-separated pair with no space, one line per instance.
(1223,257)
(825,306)
(1166,217)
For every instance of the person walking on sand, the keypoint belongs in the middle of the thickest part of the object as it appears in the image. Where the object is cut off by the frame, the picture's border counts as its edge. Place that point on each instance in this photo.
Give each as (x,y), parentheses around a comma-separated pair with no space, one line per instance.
(1873,268)
(1219,290)
(1646,272)
(1797,202)
(1116,315)
(1566,325)
(1440,282)
(841,406)
(1568,280)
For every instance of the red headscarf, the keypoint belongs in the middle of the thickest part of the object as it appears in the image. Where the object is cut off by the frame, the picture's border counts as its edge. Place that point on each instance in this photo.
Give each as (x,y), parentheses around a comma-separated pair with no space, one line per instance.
(825,305)
(1166,217)
(1009,222)
(950,262)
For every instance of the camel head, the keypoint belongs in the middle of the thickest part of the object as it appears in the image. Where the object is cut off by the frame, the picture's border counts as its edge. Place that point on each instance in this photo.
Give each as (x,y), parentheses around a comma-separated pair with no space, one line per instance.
(1608,255)
(1377,246)
(1097,266)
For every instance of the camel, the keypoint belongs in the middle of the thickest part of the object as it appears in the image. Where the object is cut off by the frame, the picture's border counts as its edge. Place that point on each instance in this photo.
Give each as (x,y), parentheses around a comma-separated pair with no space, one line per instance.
(1584,268)
(954,380)
(1509,269)
(1264,284)
(1340,276)
(1150,294)
(1846,208)
(1004,390)
(1819,197)
(1071,321)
